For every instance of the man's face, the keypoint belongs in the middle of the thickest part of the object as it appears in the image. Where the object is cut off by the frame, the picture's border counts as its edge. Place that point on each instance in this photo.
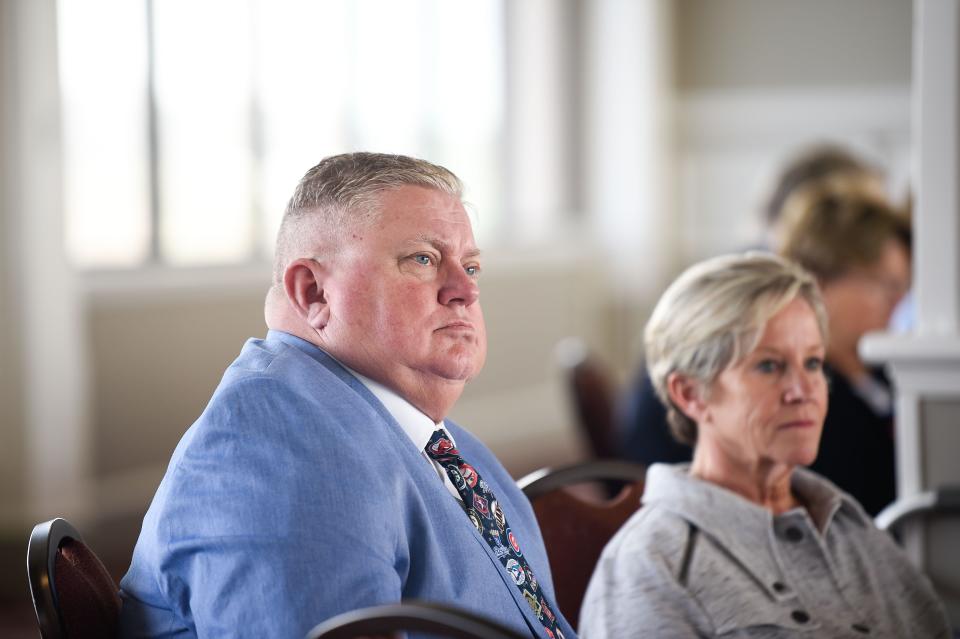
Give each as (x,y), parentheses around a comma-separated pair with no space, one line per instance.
(403,295)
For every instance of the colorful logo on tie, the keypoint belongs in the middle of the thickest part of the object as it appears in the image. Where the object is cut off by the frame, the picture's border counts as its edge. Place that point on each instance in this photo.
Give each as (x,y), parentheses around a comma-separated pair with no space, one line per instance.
(533,603)
(456,477)
(513,542)
(476,520)
(469,474)
(516,571)
(550,633)
(443,446)
(498,514)
(546,609)
(499,549)
(531,578)
(481,505)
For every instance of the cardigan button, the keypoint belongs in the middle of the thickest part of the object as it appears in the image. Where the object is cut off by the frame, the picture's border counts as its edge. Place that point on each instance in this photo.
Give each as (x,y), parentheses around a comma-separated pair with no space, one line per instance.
(779,586)
(792,533)
(800,616)
(859,627)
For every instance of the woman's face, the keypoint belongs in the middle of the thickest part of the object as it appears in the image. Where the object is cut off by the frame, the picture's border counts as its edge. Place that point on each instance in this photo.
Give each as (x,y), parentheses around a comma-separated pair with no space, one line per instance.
(769,408)
(864,299)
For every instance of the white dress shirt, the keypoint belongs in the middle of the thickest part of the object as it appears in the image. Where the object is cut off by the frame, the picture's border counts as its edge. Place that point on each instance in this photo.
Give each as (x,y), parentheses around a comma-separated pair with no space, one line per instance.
(418,427)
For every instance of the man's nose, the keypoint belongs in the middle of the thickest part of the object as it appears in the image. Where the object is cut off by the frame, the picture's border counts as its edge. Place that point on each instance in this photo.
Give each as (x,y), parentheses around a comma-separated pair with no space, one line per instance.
(458,287)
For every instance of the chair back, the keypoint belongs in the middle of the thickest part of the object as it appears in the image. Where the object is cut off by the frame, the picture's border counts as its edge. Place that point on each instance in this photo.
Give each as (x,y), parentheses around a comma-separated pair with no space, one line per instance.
(918,515)
(592,390)
(73,594)
(577,525)
(441,620)
(945,500)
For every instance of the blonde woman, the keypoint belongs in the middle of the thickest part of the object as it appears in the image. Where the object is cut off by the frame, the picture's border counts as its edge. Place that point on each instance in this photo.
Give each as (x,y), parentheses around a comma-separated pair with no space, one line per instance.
(743,541)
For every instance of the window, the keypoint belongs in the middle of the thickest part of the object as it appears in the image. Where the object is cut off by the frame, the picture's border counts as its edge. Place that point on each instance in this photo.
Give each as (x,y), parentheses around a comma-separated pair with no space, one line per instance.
(188,123)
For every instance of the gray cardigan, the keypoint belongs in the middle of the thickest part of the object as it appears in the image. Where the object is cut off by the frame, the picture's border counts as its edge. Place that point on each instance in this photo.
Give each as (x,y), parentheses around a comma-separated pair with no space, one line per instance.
(698,560)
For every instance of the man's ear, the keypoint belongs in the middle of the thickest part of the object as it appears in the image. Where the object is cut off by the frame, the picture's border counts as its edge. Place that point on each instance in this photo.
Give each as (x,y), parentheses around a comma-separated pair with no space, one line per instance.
(687,394)
(303,282)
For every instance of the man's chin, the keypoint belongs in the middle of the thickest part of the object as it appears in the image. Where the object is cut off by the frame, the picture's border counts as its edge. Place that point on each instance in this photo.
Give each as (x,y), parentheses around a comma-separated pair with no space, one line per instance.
(460,361)
(457,375)
(458,370)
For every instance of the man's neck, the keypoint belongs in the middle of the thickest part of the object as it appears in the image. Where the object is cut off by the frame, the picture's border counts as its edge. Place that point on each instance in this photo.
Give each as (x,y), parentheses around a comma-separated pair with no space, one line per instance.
(429,394)
(432,395)
(277,315)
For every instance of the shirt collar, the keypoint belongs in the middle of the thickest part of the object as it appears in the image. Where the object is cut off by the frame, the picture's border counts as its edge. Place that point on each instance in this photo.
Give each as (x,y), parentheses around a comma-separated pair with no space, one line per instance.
(824,500)
(418,427)
(675,489)
(292,340)
(744,529)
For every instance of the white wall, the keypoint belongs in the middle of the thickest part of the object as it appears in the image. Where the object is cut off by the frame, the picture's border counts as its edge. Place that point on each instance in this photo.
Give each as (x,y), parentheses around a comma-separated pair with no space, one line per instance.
(49,442)
(768,44)
(758,80)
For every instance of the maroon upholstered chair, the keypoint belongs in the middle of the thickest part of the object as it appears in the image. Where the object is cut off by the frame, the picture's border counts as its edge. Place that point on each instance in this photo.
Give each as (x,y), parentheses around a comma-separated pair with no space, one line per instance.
(593,392)
(73,594)
(576,525)
(440,620)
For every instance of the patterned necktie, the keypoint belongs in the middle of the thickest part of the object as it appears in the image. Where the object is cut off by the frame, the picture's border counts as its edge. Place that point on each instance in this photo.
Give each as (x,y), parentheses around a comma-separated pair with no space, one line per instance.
(487,516)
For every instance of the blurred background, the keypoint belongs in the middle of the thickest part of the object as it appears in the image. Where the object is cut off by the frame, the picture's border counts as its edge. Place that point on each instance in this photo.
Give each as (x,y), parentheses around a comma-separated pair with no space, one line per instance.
(147,148)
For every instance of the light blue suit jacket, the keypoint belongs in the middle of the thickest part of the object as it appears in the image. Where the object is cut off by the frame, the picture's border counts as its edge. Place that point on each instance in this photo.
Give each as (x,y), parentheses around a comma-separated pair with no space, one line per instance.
(296,496)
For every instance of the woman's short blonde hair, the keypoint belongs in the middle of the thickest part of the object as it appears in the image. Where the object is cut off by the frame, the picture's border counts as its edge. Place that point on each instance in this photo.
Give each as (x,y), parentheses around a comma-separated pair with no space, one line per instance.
(712,316)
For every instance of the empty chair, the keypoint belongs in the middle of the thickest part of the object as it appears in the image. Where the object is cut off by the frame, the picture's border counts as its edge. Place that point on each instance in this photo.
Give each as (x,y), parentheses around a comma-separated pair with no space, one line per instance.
(441,620)
(576,527)
(932,508)
(592,390)
(73,594)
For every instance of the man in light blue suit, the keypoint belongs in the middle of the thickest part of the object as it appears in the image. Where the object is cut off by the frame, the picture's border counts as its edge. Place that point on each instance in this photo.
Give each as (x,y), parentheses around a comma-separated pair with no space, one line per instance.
(304,489)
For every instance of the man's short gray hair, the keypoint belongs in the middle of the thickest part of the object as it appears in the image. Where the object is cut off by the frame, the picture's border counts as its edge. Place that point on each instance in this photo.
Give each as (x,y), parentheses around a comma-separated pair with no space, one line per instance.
(344,189)
(713,315)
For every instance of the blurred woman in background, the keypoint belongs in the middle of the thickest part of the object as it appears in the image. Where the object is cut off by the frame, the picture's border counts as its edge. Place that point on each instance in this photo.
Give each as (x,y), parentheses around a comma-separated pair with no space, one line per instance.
(858,248)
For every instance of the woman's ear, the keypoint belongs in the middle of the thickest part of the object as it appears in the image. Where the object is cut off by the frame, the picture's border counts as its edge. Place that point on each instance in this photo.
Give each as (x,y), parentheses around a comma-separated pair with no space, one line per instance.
(303,282)
(687,394)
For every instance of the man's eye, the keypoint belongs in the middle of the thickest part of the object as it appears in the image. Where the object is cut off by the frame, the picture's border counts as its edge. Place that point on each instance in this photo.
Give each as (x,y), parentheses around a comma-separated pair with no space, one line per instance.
(425,260)
(473,270)
(814,364)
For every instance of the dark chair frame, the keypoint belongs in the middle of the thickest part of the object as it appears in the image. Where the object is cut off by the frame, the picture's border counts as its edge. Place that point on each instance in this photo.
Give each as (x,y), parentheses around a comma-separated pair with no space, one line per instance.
(73,593)
(412,616)
(45,541)
(943,500)
(546,480)
(585,524)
